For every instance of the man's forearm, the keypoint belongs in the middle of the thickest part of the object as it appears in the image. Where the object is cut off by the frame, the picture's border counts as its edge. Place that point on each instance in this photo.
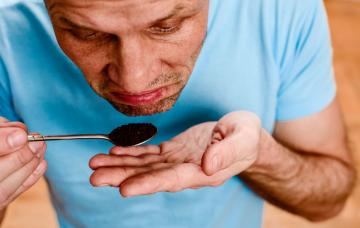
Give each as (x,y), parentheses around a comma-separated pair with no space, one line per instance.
(311,185)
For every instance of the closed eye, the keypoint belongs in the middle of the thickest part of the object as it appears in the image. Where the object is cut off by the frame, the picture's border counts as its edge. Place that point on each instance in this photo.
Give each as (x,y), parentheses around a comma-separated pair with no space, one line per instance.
(89,35)
(84,34)
(164,30)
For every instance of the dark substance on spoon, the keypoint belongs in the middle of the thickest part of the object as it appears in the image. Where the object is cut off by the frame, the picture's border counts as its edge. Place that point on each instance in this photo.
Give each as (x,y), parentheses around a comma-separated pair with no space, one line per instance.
(132,134)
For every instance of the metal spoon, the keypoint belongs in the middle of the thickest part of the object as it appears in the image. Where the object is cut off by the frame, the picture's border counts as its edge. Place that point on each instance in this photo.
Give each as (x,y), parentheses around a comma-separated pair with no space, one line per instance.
(125,135)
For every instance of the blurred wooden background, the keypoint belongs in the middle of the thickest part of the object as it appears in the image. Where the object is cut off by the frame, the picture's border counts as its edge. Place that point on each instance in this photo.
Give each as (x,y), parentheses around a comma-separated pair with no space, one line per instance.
(33,209)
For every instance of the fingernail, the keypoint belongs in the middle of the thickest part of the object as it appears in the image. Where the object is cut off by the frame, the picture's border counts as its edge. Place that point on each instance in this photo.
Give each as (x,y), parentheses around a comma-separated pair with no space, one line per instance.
(35,146)
(16,139)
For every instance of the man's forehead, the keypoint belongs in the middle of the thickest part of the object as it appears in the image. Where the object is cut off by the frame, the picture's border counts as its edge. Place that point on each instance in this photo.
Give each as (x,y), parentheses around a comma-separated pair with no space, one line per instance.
(120,3)
(124,8)
(108,15)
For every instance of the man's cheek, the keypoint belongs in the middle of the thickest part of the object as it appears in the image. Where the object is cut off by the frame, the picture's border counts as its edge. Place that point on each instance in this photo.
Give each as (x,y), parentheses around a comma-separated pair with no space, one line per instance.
(91,64)
(184,53)
(83,54)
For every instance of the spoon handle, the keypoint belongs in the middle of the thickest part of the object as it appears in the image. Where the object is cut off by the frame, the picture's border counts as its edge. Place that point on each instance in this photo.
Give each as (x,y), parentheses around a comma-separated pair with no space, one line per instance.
(33,138)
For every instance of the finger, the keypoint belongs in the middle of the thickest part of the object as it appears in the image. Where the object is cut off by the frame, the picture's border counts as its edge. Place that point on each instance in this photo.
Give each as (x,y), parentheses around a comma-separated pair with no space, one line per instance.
(16,160)
(3,120)
(136,150)
(15,180)
(12,139)
(114,176)
(170,179)
(13,124)
(229,151)
(221,155)
(105,160)
(38,147)
(31,180)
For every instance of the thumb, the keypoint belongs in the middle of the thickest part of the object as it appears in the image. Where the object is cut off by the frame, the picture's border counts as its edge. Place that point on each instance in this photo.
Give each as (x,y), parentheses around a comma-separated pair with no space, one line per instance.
(11,139)
(221,155)
(235,138)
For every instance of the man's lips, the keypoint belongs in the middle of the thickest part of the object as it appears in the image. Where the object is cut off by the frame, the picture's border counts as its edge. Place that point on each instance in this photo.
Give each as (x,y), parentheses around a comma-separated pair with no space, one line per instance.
(139,99)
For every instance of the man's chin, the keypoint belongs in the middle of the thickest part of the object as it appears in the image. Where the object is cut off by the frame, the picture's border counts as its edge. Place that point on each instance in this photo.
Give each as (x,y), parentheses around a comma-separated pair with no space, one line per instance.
(146,110)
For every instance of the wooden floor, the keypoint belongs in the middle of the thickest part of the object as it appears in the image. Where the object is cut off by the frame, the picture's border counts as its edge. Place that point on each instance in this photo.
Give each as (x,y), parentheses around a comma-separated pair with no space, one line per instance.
(33,210)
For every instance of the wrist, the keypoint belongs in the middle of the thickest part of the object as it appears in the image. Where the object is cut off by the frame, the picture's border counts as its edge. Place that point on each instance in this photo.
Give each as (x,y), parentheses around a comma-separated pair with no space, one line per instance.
(271,159)
(268,150)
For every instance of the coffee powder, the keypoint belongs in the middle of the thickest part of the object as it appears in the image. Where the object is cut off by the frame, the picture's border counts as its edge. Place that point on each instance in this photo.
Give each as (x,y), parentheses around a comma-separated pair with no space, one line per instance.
(132,134)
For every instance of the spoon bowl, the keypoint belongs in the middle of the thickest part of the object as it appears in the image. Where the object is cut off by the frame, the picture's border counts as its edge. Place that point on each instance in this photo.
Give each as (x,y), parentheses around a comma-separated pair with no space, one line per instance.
(132,134)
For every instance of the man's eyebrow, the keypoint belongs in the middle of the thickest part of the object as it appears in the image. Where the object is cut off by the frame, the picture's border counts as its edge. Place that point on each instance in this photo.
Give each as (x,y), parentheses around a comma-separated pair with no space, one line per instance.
(173,13)
(72,24)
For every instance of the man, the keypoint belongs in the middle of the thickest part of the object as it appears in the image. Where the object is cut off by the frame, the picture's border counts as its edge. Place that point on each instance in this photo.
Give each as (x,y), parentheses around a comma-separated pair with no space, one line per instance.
(242,93)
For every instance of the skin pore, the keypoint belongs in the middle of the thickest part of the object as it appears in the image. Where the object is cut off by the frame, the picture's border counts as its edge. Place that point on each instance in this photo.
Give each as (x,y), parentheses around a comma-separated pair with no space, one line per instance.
(137,59)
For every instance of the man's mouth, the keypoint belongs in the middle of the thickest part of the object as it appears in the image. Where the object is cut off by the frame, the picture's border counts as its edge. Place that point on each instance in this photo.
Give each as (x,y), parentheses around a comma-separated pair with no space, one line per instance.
(139,99)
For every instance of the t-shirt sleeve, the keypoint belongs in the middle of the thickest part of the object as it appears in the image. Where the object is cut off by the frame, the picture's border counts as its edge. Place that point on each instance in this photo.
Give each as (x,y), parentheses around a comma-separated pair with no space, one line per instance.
(6,107)
(307,80)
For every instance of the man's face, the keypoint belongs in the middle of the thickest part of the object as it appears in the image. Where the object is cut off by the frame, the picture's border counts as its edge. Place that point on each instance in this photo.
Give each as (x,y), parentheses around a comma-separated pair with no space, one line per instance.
(137,54)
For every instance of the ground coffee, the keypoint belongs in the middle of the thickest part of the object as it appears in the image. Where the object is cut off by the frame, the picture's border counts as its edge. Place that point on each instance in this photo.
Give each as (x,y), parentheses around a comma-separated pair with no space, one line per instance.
(132,134)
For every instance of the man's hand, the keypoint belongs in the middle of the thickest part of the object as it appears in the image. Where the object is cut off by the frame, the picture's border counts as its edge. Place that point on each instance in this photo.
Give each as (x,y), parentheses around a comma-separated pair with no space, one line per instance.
(307,170)
(207,154)
(21,163)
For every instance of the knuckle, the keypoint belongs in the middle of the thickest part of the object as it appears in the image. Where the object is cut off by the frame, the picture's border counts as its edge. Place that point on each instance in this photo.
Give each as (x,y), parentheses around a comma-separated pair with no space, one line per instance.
(33,164)
(27,185)
(22,158)
(126,172)
(12,138)
(165,147)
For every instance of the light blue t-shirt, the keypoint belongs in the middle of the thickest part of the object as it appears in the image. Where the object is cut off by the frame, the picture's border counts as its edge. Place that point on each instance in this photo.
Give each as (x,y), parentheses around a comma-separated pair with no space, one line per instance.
(271,57)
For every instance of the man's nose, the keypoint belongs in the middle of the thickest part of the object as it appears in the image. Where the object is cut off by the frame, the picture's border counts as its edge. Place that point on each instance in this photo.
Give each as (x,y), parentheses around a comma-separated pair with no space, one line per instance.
(135,65)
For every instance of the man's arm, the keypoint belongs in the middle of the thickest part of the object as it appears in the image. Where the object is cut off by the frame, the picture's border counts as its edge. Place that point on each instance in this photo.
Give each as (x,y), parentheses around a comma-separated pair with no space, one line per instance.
(308,170)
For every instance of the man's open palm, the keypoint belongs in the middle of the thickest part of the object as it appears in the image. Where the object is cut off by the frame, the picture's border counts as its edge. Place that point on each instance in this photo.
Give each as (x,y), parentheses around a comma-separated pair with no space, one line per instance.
(207,154)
